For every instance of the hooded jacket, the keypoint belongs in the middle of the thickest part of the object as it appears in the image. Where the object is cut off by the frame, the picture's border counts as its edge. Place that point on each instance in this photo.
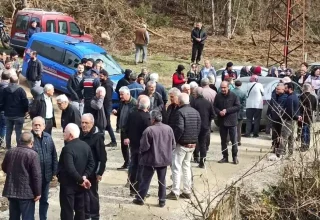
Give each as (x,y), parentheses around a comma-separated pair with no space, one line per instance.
(13,101)
(95,139)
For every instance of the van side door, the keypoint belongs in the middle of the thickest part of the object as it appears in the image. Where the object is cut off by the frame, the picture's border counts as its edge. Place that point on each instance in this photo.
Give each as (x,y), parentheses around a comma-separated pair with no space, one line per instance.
(74,30)
(70,63)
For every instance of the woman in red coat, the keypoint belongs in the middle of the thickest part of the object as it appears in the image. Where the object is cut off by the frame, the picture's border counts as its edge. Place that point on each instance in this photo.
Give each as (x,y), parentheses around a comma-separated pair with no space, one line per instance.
(178,77)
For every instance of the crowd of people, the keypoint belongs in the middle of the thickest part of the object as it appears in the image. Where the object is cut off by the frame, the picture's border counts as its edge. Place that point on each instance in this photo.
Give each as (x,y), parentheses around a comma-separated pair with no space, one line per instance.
(157,128)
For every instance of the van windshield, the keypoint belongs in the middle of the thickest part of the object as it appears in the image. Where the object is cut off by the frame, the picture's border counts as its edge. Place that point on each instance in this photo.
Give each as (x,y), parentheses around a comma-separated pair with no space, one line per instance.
(109,64)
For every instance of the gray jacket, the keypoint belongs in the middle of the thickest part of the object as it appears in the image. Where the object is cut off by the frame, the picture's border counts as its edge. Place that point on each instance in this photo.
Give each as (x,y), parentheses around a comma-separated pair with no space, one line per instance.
(156,146)
(97,110)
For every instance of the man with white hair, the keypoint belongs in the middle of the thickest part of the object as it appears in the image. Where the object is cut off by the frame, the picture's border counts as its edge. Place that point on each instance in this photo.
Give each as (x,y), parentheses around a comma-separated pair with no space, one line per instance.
(186,130)
(156,102)
(97,109)
(159,87)
(43,144)
(185,88)
(208,93)
(173,107)
(141,42)
(42,106)
(127,105)
(95,139)
(70,113)
(138,121)
(76,164)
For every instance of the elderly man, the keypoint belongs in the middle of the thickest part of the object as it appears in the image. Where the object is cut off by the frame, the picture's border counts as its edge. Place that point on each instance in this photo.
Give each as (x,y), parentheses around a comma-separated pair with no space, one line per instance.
(97,109)
(159,88)
(193,87)
(138,121)
(227,106)
(156,102)
(156,146)
(95,139)
(70,113)
(198,36)
(173,107)
(185,88)
(23,181)
(127,105)
(141,42)
(14,103)
(44,146)
(186,131)
(42,106)
(207,92)
(205,109)
(76,164)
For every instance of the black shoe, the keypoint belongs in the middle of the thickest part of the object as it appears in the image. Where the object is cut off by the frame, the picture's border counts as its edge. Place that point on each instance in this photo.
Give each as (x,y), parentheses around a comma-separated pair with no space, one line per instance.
(185,196)
(124,167)
(239,144)
(246,135)
(201,165)
(148,195)
(111,144)
(255,135)
(138,202)
(162,204)
(235,161)
(224,160)
(172,196)
(133,194)
(118,130)
(196,160)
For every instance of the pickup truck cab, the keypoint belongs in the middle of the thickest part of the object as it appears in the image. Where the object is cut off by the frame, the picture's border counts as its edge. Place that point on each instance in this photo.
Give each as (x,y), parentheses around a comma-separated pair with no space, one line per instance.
(56,22)
(60,56)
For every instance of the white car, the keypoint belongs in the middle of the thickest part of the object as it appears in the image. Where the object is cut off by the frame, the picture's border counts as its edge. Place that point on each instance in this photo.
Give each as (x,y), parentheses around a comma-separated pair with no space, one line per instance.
(264,72)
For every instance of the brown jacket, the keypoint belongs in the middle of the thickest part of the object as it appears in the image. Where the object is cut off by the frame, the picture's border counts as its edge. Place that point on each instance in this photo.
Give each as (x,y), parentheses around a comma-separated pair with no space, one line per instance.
(141,37)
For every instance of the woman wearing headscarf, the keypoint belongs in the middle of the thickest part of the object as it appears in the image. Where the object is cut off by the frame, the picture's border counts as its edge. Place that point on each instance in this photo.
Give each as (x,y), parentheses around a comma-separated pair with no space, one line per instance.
(178,77)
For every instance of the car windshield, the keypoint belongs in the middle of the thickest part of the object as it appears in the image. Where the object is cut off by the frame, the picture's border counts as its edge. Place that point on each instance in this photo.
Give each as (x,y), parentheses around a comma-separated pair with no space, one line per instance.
(109,63)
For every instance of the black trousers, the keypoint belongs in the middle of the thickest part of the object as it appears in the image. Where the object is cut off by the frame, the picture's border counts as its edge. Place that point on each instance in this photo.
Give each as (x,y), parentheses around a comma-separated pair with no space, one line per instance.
(147,174)
(49,125)
(232,131)
(197,49)
(72,203)
(87,106)
(202,147)
(135,170)
(21,208)
(275,135)
(125,151)
(92,205)
(253,113)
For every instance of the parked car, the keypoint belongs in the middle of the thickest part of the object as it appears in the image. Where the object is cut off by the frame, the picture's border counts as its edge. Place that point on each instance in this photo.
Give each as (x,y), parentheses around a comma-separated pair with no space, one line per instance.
(56,22)
(60,56)
(312,66)
(264,72)
(269,84)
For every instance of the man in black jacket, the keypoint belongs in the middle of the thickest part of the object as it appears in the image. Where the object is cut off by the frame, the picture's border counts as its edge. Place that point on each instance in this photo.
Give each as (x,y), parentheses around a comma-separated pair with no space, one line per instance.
(43,106)
(226,106)
(205,109)
(95,139)
(23,180)
(14,103)
(76,164)
(44,146)
(186,130)
(107,104)
(173,107)
(138,121)
(5,79)
(198,36)
(159,88)
(73,87)
(156,102)
(70,114)
(34,71)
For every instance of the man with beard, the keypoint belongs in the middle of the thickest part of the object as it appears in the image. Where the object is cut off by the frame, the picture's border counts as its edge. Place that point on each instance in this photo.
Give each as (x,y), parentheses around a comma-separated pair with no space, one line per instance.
(73,87)
(34,71)
(198,36)
(89,67)
(107,104)
(95,139)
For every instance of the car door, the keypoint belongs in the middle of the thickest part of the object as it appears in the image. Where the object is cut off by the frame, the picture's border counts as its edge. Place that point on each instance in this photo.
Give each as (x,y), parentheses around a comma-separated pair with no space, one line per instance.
(19,30)
(62,27)
(74,30)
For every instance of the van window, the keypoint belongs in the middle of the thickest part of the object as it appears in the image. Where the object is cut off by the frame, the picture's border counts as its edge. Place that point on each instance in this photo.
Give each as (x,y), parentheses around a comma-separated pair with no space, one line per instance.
(71,60)
(51,26)
(74,29)
(36,46)
(48,51)
(22,22)
(63,29)
(37,20)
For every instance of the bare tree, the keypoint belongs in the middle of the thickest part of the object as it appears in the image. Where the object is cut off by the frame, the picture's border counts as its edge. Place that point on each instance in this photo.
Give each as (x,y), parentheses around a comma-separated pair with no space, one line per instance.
(213,17)
(227,30)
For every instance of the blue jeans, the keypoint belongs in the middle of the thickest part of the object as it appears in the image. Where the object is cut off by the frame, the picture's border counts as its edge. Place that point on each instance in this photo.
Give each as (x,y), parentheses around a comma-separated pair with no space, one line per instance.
(2,126)
(44,205)
(18,125)
(305,136)
(21,207)
(144,52)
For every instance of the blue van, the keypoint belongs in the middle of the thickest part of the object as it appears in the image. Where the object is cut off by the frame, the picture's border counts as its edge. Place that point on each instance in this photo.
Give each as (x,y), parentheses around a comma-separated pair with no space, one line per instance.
(60,55)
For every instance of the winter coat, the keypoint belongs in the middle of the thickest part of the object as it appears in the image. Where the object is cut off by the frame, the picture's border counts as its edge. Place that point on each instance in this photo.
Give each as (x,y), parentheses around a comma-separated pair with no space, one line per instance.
(242,99)
(205,109)
(156,146)
(178,80)
(276,106)
(73,87)
(187,125)
(122,82)
(89,86)
(32,31)
(97,110)
(125,108)
(291,107)
(198,33)
(135,89)
(192,77)
(231,103)
(157,103)
(171,110)
(23,180)
(142,37)
(13,101)
(308,104)
(95,139)
(204,74)
(3,85)
(70,115)
(162,91)
(34,70)
(229,74)
(39,108)
(46,150)
(209,94)
(107,103)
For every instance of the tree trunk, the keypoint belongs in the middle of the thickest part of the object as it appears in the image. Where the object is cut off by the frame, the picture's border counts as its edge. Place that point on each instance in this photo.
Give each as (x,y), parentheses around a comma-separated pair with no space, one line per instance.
(227,30)
(213,17)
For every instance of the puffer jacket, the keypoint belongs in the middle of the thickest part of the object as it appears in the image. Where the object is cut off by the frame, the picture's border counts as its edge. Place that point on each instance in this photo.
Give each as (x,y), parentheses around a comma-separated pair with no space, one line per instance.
(187,125)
